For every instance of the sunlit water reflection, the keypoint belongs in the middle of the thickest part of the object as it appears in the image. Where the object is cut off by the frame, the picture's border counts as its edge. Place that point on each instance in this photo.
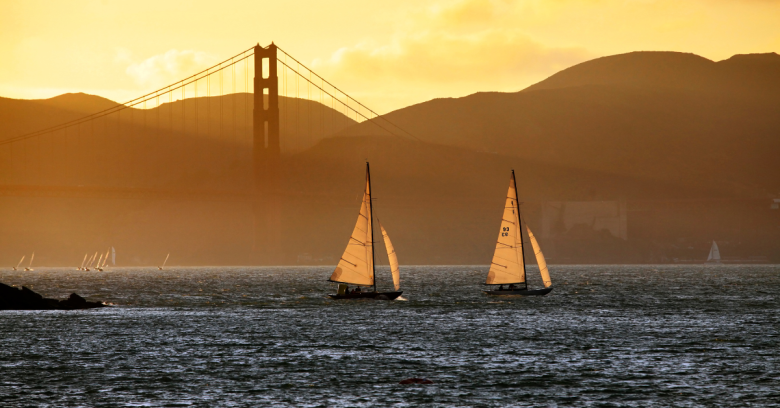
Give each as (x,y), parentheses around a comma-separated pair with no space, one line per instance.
(606,336)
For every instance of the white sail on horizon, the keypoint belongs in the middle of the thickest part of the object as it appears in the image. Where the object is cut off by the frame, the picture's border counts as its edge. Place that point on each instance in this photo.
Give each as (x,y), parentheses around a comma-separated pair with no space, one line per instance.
(356,265)
(113,256)
(539,258)
(507,265)
(392,257)
(83,261)
(31,259)
(714,255)
(21,260)
(166,259)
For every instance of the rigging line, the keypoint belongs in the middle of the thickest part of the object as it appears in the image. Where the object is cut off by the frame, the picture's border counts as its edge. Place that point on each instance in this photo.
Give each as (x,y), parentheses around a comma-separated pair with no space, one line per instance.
(111,110)
(208,106)
(220,108)
(355,100)
(297,103)
(183,119)
(350,108)
(233,100)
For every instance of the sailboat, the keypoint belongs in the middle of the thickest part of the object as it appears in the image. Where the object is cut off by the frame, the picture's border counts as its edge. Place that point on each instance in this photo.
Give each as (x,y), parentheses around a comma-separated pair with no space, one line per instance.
(20,262)
(508,264)
(91,261)
(166,260)
(102,266)
(714,256)
(356,266)
(83,261)
(29,267)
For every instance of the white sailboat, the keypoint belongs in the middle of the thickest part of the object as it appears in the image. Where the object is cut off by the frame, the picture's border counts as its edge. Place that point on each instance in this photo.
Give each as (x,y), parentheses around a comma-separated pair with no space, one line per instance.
(166,260)
(508,264)
(20,262)
(29,267)
(357,266)
(714,256)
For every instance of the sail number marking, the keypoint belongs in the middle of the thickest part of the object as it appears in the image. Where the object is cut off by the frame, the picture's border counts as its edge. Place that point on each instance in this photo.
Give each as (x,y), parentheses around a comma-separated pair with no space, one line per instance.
(505,232)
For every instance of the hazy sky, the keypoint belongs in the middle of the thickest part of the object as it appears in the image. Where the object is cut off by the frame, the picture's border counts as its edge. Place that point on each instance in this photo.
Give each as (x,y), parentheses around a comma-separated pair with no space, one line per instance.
(387,53)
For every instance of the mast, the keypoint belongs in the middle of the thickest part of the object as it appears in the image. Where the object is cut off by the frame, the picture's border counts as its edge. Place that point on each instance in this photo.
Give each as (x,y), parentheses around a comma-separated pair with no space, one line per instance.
(371,224)
(520,229)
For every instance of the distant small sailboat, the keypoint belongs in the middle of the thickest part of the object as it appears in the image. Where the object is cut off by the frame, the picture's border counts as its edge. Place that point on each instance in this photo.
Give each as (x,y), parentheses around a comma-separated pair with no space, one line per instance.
(29,267)
(20,262)
(91,261)
(508,264)
(83,261)
(166,260)
(113,256)
(714,256)
(102,266)
(357,266)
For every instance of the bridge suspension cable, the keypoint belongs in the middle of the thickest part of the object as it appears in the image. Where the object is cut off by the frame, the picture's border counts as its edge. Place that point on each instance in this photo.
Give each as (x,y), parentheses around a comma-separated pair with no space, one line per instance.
(136,101)
(129,147)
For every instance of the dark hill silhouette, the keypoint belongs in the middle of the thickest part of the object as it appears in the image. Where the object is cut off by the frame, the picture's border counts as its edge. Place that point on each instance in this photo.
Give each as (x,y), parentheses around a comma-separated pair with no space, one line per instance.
(670,117)
(304,122)
(20,116)
(646,137)
(672,70)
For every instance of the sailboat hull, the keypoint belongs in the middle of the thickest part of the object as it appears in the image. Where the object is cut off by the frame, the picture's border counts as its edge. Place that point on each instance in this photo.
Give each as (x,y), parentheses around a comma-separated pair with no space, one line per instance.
(519,292)
(369,295)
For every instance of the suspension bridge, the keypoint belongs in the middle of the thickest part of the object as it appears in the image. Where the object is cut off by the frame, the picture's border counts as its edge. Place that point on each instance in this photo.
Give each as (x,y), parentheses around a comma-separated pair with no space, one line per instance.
(218,134)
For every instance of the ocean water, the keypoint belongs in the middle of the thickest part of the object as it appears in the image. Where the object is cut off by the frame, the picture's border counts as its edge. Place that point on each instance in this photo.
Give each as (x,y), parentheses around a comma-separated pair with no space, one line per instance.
(684,336)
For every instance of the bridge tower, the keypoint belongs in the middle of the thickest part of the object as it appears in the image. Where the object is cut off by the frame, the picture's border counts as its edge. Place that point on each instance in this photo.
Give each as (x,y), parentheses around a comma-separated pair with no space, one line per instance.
(266,157)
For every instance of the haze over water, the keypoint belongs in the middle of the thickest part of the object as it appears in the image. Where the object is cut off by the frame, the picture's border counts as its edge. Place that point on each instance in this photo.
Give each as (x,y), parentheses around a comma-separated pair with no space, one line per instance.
(210,337)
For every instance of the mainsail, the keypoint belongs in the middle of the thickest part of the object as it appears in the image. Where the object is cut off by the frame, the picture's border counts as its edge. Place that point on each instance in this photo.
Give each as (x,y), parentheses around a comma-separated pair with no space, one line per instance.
(393,258)
(166,259)
(20,261)
(539,259)
(357,263)
(714,253)
(31,259)
(113,256)
(508,265)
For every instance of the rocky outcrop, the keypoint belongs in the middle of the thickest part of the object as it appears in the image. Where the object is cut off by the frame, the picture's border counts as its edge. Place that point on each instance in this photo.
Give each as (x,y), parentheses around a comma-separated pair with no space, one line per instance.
(25,299)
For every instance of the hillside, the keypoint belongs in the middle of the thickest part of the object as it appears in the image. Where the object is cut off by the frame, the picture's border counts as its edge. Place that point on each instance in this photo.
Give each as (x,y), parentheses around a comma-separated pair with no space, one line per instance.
(674,118)
(684,162)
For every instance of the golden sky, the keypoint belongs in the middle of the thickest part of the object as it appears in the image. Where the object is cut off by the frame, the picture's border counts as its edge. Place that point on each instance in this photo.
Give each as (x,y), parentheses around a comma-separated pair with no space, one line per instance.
(387,53)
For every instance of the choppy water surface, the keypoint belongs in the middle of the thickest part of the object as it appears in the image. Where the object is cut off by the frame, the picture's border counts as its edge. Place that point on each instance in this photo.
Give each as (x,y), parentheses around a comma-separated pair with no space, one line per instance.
(209,337)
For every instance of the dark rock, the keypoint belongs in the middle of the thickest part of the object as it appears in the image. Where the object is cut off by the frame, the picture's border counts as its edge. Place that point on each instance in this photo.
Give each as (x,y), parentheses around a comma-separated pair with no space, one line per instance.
(416,381)
(25,299)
